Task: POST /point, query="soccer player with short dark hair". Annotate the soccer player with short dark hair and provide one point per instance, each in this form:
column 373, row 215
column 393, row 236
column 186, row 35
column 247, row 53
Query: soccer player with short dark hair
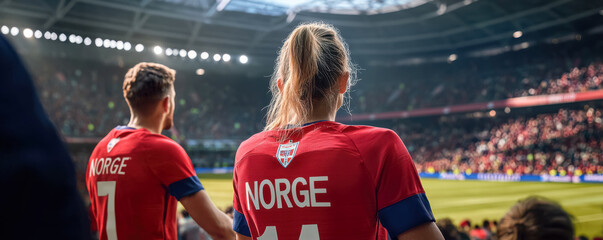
column 135, row 175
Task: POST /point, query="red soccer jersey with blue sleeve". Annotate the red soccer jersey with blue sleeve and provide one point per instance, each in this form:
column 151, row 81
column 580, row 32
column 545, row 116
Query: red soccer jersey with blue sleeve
column 327, row 181
column 134, row 180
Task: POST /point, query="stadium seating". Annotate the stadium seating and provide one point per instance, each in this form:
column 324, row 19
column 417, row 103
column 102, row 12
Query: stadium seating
column 566, row 142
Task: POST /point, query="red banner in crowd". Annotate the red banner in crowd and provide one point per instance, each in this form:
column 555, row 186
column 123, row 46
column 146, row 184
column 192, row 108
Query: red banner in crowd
column 510, row 102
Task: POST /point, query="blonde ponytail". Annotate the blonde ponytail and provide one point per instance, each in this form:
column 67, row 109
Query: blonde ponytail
column 309, row 64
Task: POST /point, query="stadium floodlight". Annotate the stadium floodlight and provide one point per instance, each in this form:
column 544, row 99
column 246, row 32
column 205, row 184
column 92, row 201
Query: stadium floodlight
column 452, row 57
column 226, row 57
column 168, row 51
column 222, row 4
column 127, row 46
column 243, row 59
column 62, row 37
column 192, row 54
column 204, row 55
column 72, row 38
column 98, row 42
column 157, row 50
column 120, row 45
column 200, row 71
column 79, row 39
column 139, row 47
column 107, row 43
column 113, row 44
column 517, row 34
column 182, row 53
column 28, row 33
column 217, row 57
column 47, row 35
column 492, row 113
column 5, row 30
column 14, row 31
column 87, row 41
column 442, row 9
column 53, row 36
column 38, row 34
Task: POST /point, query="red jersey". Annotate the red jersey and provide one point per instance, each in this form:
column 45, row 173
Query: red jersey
column 134, row 179
column 327, row 181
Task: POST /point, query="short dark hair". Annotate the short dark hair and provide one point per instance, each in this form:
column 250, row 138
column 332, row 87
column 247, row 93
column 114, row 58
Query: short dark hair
column 536, row 218
column 146, row 83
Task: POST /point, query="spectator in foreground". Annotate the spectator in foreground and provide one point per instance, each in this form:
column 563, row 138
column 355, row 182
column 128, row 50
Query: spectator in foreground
column 478, row 233
column 448, row 229
column 536, row 218
column 487, row 228
column 465, row 229
column 37, row 176
column 229, row 212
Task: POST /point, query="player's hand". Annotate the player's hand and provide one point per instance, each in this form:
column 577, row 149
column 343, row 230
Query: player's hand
column 210, row 218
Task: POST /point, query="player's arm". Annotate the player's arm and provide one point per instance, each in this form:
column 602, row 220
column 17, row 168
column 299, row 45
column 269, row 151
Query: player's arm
column 172, row 166
column 426, row 231
column 210, row 218
column 242, row 237
column 404, row 209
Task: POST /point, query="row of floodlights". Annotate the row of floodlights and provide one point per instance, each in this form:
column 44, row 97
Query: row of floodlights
column 192, row 54
column 119, row 45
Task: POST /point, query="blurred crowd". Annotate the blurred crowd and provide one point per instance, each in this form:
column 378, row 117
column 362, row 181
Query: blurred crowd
column 546, row 69
column 564, row 143
column 84, row 99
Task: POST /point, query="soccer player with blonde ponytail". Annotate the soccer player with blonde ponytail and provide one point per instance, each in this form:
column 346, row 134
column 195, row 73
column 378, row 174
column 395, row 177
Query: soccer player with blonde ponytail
column 308, row 177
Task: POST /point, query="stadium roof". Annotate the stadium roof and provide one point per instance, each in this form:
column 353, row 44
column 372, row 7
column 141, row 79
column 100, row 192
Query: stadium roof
column 380, row 31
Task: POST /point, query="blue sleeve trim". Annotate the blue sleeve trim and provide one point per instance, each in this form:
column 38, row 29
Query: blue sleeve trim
column 406, row 214
column 239, row 224
column 185, row 187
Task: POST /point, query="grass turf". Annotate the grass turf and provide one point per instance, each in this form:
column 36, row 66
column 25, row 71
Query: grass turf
column 477, row 200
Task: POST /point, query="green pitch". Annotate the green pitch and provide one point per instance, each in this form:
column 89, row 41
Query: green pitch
column 478, row 200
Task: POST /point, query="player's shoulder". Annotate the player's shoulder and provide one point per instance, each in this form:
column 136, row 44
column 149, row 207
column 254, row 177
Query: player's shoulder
column 252, row 142
column 152, row 141
column 371, row 140
column 370, row 132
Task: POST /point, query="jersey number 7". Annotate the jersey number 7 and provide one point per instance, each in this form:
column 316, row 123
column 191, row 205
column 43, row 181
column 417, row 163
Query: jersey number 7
column 107, row 188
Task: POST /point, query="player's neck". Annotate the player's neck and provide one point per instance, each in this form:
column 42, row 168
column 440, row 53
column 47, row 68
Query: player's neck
column 152, row 124
column 321, row 114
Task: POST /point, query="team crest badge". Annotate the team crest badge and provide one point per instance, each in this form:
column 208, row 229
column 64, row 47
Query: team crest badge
column 286, row 152
column 112, row 144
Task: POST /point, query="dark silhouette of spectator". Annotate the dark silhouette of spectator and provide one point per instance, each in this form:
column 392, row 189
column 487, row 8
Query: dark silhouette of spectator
column 448, row 229
column 229, row 211
column 536, row 218
column 478, row 233
column 487, row 228
column 37, row 175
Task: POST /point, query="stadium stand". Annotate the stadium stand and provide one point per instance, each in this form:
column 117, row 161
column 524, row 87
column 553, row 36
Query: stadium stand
column 566, row 142
column 541, row 70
